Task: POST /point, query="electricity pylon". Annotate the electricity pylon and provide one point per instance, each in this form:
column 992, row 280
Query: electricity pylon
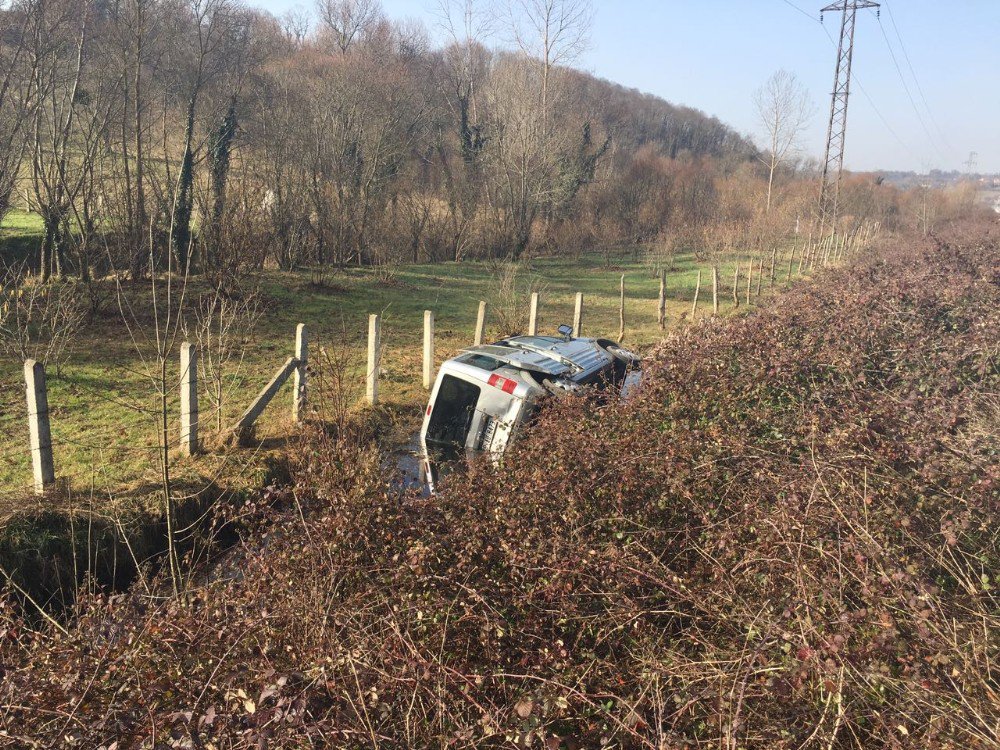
column 970, row 164
column 833, row 161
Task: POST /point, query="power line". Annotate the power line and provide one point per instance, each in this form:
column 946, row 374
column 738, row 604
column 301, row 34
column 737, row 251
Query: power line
column 792, row 5
column 909, row 94
column 916, row 80
column 878, row 112
column 857, row 80
column 885, row 122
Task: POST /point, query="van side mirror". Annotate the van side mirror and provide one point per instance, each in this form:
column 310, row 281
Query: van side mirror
column 565, row 330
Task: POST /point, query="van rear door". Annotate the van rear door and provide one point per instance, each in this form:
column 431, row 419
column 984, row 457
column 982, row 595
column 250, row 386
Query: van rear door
column 452, row 418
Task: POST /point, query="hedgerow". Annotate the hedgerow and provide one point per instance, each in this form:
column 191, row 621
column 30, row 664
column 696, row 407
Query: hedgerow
column 786, row 538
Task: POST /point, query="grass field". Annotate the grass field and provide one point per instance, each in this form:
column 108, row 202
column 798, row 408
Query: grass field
column 20, row 233
column 103, row 403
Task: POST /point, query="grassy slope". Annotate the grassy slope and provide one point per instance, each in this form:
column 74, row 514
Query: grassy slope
column 103, row 404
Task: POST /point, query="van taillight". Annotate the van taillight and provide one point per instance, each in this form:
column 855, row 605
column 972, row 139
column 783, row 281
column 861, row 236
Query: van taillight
column 428, row 410
column 505, row 384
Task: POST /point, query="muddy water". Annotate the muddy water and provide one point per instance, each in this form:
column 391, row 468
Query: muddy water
column 632, row 380
column 407, row 468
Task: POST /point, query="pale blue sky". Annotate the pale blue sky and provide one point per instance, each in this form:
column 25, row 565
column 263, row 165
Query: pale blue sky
column 712, row 54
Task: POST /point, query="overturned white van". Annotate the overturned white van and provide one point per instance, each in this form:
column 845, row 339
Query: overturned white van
column 483, row 396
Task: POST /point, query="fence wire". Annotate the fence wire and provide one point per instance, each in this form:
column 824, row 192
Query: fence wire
column 123, row 434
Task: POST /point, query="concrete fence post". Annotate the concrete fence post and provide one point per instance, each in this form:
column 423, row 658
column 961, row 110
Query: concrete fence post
column 38, row 425
column 736, row 285
column 533, row 315
column 578, row 316
column 621, row 312
column 480, row 324
column 189, row 399
column 749, row 280
column 697, row 291
column 661, row 305
column 374, row 357
column 299, row 377
column 715, row 290
column 428, row 349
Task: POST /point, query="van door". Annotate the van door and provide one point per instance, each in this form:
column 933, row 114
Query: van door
column 453, row 419
column 497, row 414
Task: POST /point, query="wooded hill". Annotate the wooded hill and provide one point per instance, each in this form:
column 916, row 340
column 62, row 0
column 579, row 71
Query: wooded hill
column 236, row 139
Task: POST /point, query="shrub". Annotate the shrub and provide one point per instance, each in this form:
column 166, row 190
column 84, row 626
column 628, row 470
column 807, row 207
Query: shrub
column 786, row 538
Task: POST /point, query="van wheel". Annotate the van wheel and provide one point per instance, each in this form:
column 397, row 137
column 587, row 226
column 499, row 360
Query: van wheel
column 554, row 389
column 620, row 353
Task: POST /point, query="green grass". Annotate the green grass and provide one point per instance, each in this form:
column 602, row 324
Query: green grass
column 20, row 234
column 102, row 404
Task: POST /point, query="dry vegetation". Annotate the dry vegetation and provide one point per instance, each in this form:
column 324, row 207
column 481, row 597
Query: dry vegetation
column 787, row 538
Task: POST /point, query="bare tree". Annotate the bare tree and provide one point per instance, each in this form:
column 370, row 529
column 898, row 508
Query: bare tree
column 553, row 31
column 465, row 69
column 137, row 38
column 217, row 35
column 348, row 20
column 784, row 109
column 296, row 22
column 223, row 326
column 69, row 128
column 37, row 320
column 519, row 161
column 16, row 99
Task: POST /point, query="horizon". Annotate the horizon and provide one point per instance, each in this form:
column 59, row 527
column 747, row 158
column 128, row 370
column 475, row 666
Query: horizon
column 908, row 112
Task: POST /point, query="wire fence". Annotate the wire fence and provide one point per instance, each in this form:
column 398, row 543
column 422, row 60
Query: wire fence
column 120, row 432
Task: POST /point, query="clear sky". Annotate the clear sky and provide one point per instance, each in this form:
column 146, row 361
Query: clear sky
column 713, row 54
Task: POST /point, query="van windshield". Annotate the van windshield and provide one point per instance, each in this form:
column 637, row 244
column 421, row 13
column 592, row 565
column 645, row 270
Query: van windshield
column 451, row 419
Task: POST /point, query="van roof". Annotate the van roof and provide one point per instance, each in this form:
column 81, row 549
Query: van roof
column 546, row 354
column 520, row 358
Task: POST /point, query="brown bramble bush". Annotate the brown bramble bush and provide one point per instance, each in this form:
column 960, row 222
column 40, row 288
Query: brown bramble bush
column 786, row 539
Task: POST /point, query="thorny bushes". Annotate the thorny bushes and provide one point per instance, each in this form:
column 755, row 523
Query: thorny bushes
column 788, row 538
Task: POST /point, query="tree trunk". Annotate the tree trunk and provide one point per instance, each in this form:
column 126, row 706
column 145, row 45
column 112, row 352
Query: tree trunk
column 184, row 199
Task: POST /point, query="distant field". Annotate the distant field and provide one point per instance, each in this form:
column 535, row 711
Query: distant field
column 102, row 400
column 19, row 235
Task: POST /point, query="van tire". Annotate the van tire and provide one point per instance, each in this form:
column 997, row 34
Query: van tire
column 619, row 352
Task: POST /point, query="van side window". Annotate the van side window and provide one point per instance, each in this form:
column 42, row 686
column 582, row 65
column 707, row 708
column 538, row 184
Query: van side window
column 481, row 361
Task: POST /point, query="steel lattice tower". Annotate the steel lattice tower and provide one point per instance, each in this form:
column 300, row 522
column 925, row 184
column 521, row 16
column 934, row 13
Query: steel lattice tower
column 833, row 161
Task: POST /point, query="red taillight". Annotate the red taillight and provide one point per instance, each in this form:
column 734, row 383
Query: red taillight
column 504, row 384
column 428, row 410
